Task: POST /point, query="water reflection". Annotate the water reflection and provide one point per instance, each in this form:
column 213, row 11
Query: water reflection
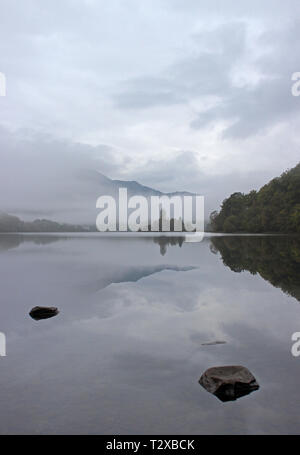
column 136, row 329
column 275, row 259
column 164, row 242
column 10, row 241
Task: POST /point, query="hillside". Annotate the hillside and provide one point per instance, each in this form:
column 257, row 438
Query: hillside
column 274, row 208
column 11, row 223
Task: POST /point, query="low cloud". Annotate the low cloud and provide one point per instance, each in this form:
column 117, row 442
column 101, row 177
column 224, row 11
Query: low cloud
column 43, row 176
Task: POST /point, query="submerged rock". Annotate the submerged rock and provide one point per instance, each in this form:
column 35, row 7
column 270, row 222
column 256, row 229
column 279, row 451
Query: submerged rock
column 212, row 343
column 229, row 382
column 43, row 312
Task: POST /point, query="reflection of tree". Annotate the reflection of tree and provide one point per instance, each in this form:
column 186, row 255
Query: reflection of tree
column 276, row 259
column 164, row 242
column 9, row 241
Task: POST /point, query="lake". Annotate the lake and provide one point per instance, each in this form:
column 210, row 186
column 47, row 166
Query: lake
column 138, row 322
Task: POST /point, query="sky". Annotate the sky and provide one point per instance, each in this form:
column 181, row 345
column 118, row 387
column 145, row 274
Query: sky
column 176, row 94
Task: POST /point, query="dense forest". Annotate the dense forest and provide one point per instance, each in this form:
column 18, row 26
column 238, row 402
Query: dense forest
column 274, row 208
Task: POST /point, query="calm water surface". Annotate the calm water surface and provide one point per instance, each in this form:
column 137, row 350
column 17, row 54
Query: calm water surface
column 128, row 347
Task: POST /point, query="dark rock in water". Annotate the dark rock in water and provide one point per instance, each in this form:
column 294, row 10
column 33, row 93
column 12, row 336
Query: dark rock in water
column 229, row 383
column 43, row 312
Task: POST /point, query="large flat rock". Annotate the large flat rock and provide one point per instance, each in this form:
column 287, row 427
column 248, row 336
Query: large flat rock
column 229, row 382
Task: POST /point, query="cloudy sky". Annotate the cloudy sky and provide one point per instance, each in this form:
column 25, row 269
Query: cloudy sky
column 177, row 94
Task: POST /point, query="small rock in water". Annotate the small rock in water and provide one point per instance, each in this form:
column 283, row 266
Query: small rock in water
column 229, row 382
column 43, row 312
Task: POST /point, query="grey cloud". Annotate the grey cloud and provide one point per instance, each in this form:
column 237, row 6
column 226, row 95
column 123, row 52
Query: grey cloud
column 267, row 10
column 207, row 73
column 147, row 92
column 247, row 110
column 254, row 109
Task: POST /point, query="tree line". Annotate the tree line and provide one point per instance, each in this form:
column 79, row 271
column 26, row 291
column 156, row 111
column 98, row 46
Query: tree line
column 275, row 208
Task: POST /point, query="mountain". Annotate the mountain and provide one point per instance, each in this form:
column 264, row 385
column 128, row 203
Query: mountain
column 275, row 208
column 93, row 184
column 79, row 209
column 71, row 197
column 101, row 182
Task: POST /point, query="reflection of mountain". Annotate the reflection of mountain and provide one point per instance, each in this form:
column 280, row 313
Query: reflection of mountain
column 276, row 259
column 164, row 242
column 133, row 274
